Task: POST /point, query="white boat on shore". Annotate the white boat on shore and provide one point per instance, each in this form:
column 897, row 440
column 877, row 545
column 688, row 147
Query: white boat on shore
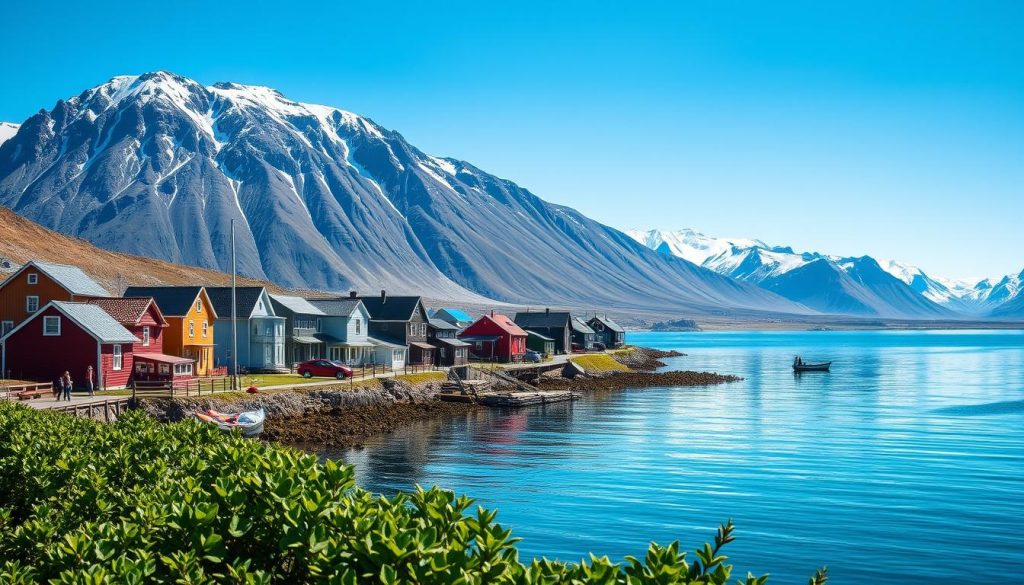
column 250, row 423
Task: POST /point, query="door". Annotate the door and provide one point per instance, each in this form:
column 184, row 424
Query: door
column 268, row 354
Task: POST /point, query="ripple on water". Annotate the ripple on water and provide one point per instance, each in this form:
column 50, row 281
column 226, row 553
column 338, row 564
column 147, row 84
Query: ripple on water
column 905, row 463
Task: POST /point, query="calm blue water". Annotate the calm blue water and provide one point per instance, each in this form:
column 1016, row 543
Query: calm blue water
column 905, row 463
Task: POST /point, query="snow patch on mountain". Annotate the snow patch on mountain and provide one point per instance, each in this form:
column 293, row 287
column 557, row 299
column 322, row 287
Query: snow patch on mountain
column 7, row 131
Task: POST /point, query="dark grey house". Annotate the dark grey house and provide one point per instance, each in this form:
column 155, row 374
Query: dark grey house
column 583, row 337
column 610, row 333
column 401, row 320
column 554, row 324
column 449, row 350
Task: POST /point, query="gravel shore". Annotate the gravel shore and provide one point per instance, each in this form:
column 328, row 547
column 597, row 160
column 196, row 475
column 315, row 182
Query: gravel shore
column 339, row 416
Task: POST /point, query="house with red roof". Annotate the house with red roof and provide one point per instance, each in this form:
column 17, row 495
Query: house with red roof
column 142, row 317
column 495, row 337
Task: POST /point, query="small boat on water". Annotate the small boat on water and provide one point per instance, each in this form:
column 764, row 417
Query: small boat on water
column 249, row 423
column 799, row 365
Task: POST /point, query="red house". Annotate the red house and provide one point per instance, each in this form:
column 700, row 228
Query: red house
column 143, row 318
column 70, row 337
column 495, row 337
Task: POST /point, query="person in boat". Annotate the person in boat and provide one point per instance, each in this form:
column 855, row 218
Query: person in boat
column 797, row 361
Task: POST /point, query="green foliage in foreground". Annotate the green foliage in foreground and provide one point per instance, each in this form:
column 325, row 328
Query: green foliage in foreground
column 140, row 502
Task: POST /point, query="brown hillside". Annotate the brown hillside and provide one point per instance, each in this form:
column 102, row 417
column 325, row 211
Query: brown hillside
column 22, row 240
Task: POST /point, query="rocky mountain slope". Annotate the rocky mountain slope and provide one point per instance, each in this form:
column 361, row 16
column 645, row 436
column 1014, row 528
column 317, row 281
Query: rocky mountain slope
column 22, row 240
column 159, row 165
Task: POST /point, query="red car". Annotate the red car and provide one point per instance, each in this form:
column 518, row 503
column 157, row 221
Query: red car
column 324, row 369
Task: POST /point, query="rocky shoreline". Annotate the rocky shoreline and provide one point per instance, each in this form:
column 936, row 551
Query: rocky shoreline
column 340, row 416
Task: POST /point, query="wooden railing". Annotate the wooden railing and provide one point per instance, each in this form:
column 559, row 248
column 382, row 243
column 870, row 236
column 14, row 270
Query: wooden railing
column 24, row 390
column 181, row 388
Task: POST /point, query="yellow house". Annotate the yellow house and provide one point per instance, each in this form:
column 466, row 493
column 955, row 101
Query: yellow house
column 190, row 316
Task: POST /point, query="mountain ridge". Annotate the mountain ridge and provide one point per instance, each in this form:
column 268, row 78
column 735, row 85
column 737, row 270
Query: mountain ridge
column 868, row 291
column 159, row 165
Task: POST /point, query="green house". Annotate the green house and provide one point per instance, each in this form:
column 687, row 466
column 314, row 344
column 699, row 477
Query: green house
column 542, row 344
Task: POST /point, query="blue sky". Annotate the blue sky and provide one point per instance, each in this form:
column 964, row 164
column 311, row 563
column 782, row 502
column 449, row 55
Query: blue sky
column 890, row 129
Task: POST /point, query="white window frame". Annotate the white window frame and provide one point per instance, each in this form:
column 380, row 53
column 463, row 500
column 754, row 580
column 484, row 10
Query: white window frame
column 199, row 306
column 206, row 328
column 165, row 369
column 33, row 278
column 145, row 335
column 359, row 326
column 116, row 358
column 6, row 327
column 191, row 328
column 51, row 319
column 29, row 299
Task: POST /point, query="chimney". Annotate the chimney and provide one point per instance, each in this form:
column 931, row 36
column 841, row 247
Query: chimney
column 492, row 313
column 353, row 294
column 383, row 296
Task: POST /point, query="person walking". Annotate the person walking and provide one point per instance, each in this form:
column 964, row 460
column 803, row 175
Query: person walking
column 90, row 384
column 66, row 385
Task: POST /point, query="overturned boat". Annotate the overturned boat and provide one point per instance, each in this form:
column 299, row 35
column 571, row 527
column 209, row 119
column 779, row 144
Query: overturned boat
column 250, row 423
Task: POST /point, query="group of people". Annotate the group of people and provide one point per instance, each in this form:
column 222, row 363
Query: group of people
column 63, row 386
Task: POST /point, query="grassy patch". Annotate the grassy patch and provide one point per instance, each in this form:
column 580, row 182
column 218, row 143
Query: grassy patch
column 260, row 380
column 421, row 377
column 598, row 363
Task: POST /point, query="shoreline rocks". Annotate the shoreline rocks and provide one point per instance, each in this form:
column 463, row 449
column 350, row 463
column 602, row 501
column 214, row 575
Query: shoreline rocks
column 341, row 416
column 644, row 358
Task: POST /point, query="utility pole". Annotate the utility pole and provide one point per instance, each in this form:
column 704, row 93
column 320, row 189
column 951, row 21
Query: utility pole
column 234, row 313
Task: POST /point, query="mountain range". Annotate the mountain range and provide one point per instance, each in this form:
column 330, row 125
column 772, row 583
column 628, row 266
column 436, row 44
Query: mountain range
column 861, row 286
column 161, row 166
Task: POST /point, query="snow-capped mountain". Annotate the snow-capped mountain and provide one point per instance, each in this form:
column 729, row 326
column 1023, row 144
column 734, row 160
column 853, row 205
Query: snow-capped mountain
column 7, row 130
column 159, row 165
column 859, row 286
column 854, row 286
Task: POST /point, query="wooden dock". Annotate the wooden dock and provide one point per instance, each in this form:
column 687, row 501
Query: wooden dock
column 515, row 399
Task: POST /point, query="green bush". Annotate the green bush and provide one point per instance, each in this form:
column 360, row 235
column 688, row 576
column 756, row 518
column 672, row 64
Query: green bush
column 140, row 502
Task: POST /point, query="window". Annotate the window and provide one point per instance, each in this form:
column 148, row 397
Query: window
column 33, row 278
column 31, row 304
column 396, row 355
column 206, row 328
column 199, row 306
column 165, row 369
column 319, row 326
column 6, row 327
column 191, row 328
column 359, row 327
column 479, row 344
column 51, row 326
column 145, row 336
column 182, row 368
column 118, row 358
column 443, row 352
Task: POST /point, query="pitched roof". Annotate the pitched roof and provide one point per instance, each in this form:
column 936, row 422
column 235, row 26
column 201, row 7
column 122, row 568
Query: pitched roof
column 245, row 300
column 390, row 308
column 174, row 301
column 580, row 327
column 440, row 324
column 538, row 335
column 96, row 322
column 549, row 319
column 297, row 305
column 608, row 323
column 127, row 310
column 507, row 324
column 457, row 314
column 335, row 307
column 70, row 277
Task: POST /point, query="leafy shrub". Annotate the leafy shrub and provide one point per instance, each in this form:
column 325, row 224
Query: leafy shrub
column 140, row 502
